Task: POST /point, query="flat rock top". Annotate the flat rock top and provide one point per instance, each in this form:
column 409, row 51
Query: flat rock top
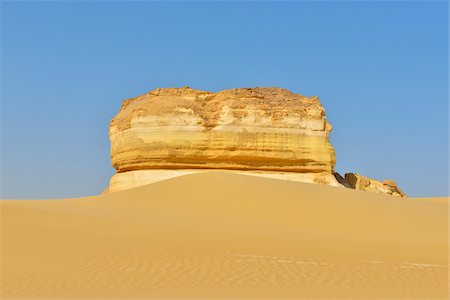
column 276, row 103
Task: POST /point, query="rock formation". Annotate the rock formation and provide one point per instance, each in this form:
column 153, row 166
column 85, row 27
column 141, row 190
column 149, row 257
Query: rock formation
column 363, row 183
column 342, row 180
column 269, row 132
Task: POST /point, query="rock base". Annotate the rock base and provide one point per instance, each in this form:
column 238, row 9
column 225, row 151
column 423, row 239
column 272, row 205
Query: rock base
column 132, row 179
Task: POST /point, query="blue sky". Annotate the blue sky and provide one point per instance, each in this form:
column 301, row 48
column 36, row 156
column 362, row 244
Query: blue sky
column 379, row 68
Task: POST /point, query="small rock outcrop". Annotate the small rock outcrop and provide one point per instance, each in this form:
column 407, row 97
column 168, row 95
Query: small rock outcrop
column 342, row 180
column 363, row 183
column 269, row 132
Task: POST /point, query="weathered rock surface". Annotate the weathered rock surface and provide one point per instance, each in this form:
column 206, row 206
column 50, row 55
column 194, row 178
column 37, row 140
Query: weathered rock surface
column 363, row 183
column 255, row 129
column 269, row 132
column 342, row 180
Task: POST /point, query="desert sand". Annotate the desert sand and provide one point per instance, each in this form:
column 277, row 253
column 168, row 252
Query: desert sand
column 221, row 235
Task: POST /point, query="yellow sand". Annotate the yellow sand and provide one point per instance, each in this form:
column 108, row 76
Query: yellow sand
column 217, row 235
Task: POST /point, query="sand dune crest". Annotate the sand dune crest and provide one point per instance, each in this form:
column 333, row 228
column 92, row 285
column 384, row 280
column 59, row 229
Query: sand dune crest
column 225, row 235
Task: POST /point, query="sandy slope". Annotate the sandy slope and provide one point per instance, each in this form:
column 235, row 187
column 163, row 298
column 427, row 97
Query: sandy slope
column 226, row 235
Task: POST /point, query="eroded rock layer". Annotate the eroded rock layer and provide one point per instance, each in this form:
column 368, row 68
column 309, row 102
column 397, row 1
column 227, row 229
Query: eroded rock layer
column 261, row 129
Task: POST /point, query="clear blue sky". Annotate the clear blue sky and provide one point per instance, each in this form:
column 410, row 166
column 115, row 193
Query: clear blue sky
column 379, row 68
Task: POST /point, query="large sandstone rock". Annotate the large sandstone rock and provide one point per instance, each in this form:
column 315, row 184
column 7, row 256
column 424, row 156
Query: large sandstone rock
column 260, row 131
column 268, row 132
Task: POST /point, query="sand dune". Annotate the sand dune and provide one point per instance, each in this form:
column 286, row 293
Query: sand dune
column 223, row 235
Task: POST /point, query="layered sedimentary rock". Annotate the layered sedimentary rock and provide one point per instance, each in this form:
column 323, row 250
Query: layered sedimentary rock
column 268, row 132
column 363, row 183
